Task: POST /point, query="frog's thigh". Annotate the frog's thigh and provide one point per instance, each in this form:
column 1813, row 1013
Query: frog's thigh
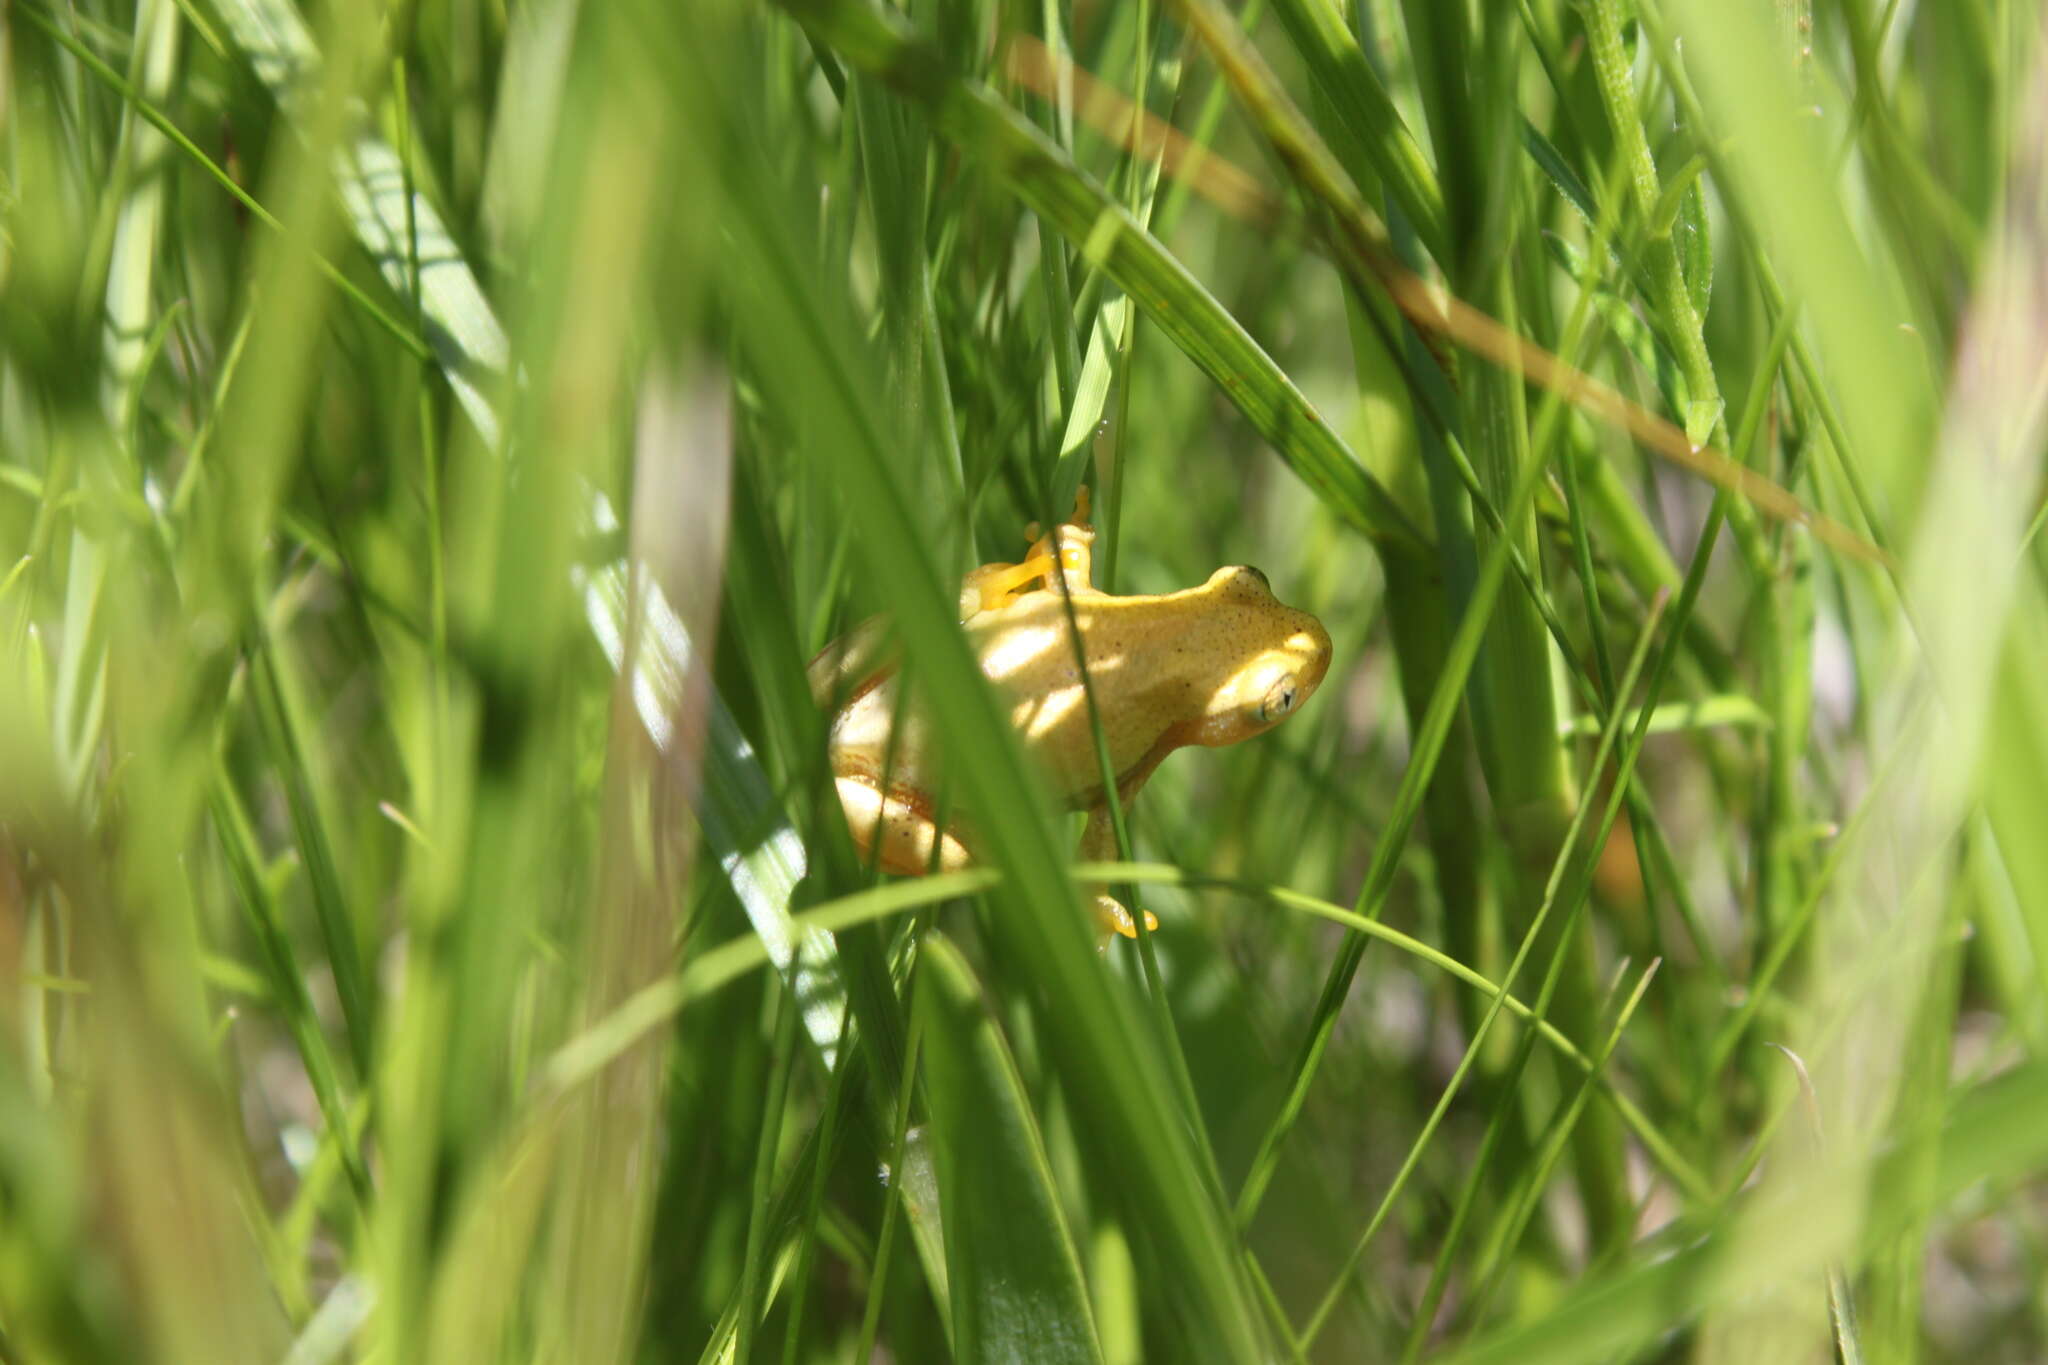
column 905, row 833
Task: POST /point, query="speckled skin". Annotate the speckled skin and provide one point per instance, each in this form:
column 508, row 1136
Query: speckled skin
column 1208, row 665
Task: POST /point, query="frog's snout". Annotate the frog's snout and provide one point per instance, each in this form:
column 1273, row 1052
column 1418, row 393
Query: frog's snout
column 1311, row 645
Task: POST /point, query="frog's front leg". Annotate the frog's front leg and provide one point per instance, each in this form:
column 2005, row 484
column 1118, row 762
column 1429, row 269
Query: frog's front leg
column 1098, row 845
column 995, row 585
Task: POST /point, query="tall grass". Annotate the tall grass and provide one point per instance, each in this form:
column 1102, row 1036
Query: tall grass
column 435, row 438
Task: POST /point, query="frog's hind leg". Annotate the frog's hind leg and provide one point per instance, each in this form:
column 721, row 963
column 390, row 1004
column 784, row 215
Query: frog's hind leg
column 898, row 831
column 1098, row 845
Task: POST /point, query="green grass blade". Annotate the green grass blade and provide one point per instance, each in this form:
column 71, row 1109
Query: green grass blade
column 1372, row 126
column 284, row 731
column 1015, row 1278
column 286, row 983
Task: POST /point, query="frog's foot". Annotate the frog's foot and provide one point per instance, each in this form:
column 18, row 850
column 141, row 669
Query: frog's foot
column 1075, row 545
column 1112, row 918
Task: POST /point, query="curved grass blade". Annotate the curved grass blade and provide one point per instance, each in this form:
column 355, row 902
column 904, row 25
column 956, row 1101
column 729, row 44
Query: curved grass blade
column 585, row 1055
column 285, row 734
column 285, row 980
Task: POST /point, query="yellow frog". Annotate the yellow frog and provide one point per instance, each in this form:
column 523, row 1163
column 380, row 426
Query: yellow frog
column 1209, row 665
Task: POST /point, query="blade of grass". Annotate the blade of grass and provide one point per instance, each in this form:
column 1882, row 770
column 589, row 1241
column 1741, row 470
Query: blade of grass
column 1374, row 134
column 1426, row 748
column 1668, row 284
column 751, row 1303
column 1841, row 1307
column 1015, row 1279
column 285, row 981
column 894, row 1203
column 1549, row 1152
column 284, row 732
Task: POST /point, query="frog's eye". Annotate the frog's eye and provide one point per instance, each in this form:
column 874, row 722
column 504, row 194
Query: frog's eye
column 1279, row 699
column 1259, row 574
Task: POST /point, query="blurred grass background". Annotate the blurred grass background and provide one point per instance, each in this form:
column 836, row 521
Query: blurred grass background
column 433, row 439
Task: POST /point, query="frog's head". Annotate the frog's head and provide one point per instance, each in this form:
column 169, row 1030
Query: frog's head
column 1276, row 658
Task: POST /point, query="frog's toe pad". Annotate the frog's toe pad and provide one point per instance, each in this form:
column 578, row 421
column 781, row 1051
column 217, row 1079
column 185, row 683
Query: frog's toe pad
column 1111, row 915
